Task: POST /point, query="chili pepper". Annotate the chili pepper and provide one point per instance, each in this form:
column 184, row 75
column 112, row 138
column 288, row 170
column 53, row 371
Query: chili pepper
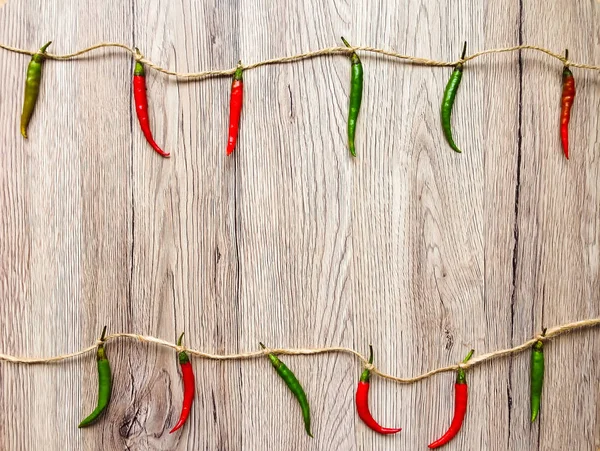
column 448, row 100
column 141, row 106
column 235, row 108
column 356, row 89
column 189, row 386
column 294, row 385
column 460, row 406
column 566, row 102
column 32, row 87
column 537, row 376
column 362, row 402
column 104, row 384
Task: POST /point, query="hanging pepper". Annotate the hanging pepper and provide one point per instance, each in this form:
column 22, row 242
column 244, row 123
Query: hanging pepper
column 294, row 385
column 460, row 406
column 104, row 384
column 356, row 89
column 141, row 106
column 32, row 87
column 448, row 100
column 362, row 402
column 235, row 108
column 566, row 102
column 537, row 376
column 189, row 386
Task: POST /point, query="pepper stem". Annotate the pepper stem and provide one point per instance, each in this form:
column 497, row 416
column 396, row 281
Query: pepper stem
column 180, row 339
column 461, row 378
column 262, row 345
column 103, row 334
column 544, row 331
column 238, row 71
column 345, row 42
column 566, row 54
column 44, row 47
column 464, row 51
column 469, row 355
column 366, row 374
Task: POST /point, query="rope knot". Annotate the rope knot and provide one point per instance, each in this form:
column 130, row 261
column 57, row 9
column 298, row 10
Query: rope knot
column 100, row 342
column 463, row 365
column 180, row 349
column 138, row 55
column 369, row 366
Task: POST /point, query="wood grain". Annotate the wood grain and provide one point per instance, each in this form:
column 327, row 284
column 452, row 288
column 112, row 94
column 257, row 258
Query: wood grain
column 422, row 252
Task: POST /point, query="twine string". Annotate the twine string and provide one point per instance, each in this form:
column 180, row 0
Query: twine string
column 550, row 333
column 302, row 56
column 476, row 360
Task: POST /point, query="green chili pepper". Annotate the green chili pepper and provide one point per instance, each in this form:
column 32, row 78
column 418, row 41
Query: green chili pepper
column 32, row 87
column 104, row 384
column 448, row 100
column 294, row 385
column 537, row 377
column 356, row 88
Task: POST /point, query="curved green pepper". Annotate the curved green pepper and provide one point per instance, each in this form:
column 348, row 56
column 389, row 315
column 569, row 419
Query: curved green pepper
column 32, row 87
column 104, row 384
column 448, row 101
column 294, row 385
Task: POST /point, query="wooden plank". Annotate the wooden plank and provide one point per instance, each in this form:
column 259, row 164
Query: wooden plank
column 411, row 247
column 422, row 221
column 558, row 275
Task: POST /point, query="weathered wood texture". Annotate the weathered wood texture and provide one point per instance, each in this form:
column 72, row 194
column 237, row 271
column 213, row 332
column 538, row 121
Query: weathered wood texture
column 418, row 250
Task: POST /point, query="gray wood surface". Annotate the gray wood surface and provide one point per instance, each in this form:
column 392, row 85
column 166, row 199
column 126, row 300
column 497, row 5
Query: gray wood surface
column 418, row 250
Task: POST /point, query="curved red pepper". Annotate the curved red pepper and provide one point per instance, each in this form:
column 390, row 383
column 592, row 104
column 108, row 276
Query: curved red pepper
column 566, row 102
column 362, row 402
column 189, row 386
column 235, row 108
column 141, row 106
column 461, row 396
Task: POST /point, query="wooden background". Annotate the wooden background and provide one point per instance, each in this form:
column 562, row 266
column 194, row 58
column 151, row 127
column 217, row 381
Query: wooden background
column 423, row 252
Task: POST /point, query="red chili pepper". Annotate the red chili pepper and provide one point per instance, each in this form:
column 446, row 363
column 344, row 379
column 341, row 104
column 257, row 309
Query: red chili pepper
column 235, row 108
column 141, row 106
column 189, row 386
column 362, row 402
column 566, row 102
column 461, row 396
